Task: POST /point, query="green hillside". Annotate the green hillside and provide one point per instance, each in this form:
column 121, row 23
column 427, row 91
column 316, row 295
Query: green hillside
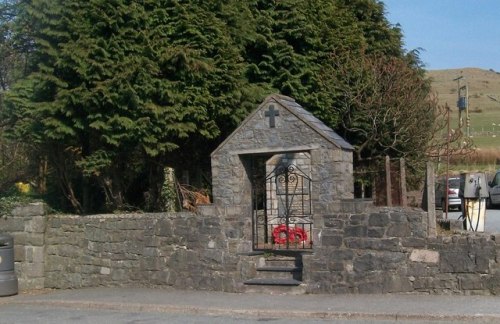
column 484, row 101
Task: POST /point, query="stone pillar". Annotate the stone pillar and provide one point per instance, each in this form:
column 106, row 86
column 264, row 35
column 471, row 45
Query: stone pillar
column 29, row 245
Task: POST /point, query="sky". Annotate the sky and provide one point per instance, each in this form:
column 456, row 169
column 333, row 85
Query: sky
column 452, row 34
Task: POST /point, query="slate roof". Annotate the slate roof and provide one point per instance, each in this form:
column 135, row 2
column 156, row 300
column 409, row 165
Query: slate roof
column 312, row 121
column 302, row 114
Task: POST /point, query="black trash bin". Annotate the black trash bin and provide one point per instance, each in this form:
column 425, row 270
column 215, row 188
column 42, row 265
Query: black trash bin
column 8, row 278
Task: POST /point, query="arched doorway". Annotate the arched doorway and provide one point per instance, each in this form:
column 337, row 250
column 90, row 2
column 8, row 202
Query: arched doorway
column 281, row 200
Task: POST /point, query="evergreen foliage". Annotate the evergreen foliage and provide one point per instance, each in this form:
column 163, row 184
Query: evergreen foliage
column 118, row 89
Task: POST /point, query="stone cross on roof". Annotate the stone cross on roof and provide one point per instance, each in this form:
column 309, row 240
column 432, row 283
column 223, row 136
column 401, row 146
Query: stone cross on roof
column 271, row 113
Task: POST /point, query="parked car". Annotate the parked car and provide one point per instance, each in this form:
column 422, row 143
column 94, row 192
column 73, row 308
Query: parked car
column 454, row 201
column 493, row 199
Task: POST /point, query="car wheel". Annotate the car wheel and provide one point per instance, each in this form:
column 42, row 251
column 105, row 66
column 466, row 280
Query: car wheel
column 489, row 205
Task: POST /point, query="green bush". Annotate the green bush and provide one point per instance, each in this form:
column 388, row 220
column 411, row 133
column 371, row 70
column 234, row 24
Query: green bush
column 19, row 194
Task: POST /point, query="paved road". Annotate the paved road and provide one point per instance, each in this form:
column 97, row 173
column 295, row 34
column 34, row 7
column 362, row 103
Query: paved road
column 143, row 305
column 50, row 315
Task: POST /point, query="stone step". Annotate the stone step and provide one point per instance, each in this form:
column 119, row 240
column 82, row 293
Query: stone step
column 273, row 282
column 281, row 272
column 284, row 262
column 275, row 290
column 280, row 269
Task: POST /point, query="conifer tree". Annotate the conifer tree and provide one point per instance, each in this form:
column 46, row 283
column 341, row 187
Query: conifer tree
column 119, row 84
column 119, row 89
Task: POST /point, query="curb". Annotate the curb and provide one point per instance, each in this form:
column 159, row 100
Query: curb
column 257, row 313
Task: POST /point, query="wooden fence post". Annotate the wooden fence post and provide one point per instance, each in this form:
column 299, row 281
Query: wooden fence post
column 430, row 200
column 388, row 189
column 402, row 182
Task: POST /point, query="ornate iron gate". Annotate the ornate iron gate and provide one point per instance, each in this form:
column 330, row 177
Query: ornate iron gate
column 282, row 209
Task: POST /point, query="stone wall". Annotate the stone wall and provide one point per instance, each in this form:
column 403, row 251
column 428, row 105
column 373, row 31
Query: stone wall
column 183, row 250
column 386, row 250
column 361, row 250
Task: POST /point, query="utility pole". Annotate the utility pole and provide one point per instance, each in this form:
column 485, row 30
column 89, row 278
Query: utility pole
column 447, row 162
column 463, row 103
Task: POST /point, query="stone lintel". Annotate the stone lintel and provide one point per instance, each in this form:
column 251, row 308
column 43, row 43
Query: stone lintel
column 276, row 150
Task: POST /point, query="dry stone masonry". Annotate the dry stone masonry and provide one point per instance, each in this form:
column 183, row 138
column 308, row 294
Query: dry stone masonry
column 378, row 250
column 352, row 246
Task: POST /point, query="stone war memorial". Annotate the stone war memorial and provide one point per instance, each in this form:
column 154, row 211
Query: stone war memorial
column 283, row 219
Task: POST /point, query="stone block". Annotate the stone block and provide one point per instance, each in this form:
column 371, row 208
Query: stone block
column 376, row 232
column 27, row 284
column 70, row 251
column 208, row 210
column 210, row 230
column 358, row 219
column 470, row 282
column 414, row 242
column 349, row 205
column 396, row 284
column 333, row 222
column 36, row 239
column 152, row 241
column 331, row 240
column 379, row 261
column 493, row 283
column 19, row 237
column 398, row 230
column 355, row 243
column 422, row 284
column 391, row 244
column 88, row 269
column 19, row 253
column 54, row 222
column 426, row 256
column 35, row 254
column 415, row 217
column 341, row 255
column 316, row 266
column 442, row 282
column 356, row 231
column 97, row 235
column 233, row 211
column 55, row 264
column 452, row 262
column 336, row 266
column 36, row 224
column 33, row 270
column 164, row 227
column 392, row 260
column 418, row 269
column 366, row 263
column 378, row 219
column 31, row 209
column 371, row 288
column 483, row 262
column 342, row 290
column 397, row 217
column 149, row 251
column 212, row 256
column 10, row 224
